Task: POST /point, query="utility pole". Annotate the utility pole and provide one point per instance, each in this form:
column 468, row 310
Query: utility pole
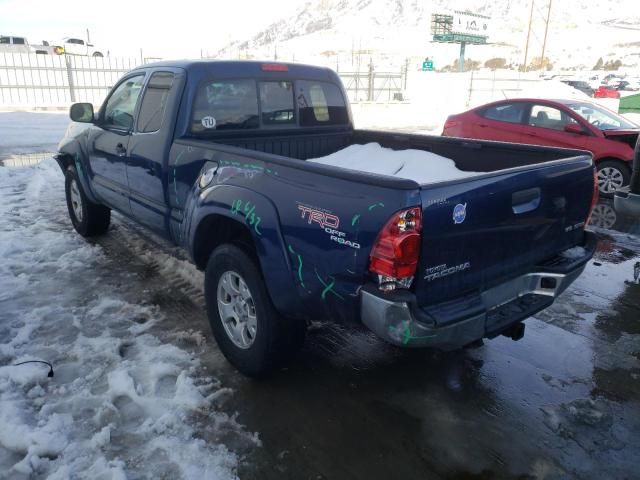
column 526, row 48
column 546, row 29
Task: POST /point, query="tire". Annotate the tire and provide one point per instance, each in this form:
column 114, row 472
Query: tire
column 612, row 174
column 97, row 54
column 248, row 330
column 89, row 219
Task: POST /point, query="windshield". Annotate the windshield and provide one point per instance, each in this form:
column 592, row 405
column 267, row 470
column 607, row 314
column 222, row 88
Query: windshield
column 600, row 117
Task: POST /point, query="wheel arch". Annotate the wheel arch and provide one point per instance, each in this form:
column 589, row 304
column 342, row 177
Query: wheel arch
column 66, row 160
column 213, row 223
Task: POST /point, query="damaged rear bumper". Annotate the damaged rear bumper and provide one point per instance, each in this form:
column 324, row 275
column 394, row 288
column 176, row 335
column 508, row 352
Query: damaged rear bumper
column 397, row 318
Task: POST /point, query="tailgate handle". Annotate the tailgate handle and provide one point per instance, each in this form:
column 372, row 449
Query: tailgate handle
column 525, row 200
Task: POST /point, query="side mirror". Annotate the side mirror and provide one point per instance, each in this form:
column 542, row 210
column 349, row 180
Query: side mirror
column 81, row 112
column 574, row 128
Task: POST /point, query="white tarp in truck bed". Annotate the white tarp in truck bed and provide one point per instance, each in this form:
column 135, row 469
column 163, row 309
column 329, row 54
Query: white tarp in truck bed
column 422, row 167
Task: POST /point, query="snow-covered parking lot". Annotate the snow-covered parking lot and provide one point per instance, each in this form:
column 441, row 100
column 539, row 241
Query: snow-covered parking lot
column 141, row 391
column 129, row 398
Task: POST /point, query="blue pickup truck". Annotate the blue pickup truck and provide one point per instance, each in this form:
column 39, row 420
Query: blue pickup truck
column 213, row 155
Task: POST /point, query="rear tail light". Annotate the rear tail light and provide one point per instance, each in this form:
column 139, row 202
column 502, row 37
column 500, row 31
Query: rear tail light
column 595, row 195
column 450, row 123
column 395, row 253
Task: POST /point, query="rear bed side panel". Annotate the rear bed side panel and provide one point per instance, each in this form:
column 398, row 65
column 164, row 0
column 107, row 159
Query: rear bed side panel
column 316, row 229
column 483, row 231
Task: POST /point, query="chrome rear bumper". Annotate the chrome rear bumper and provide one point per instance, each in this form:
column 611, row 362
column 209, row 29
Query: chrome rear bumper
column 397, row 319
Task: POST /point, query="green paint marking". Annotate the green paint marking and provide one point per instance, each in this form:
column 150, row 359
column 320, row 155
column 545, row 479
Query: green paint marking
column 248, row 211
column 379, row 204
column 406, row 333
column 328, row 287
column 355, row 219
column 299, row 265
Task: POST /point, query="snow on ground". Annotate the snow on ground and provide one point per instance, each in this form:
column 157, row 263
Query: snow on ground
column 43, row 131
column 423, row 167
column 123, row 403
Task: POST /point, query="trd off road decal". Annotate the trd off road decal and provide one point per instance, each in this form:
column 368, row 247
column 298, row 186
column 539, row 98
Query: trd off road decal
column 328, row 222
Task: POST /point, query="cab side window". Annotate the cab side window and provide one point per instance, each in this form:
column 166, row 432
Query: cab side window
column 121, row 105
column 154, row 102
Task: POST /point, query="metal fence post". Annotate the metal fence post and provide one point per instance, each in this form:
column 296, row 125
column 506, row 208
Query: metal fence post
column 72, row 89
column 371, row 82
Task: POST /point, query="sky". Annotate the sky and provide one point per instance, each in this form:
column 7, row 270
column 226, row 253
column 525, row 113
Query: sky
column 123, row 27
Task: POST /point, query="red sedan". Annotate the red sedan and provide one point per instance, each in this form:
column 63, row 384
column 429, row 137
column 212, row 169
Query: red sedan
column 604, row 91
column 557, row 123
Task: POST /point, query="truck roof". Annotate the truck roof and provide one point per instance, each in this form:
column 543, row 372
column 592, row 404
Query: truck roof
column 246, row 68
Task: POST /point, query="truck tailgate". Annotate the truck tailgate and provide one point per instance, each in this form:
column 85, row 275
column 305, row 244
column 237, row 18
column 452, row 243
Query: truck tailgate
column 481, row 231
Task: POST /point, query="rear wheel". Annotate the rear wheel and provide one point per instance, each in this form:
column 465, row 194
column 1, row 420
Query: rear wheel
column 250, row 333
column 612, row 175
column 89, row 219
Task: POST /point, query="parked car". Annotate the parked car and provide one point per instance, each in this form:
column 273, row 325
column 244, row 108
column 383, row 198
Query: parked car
column 605, row 91
column 77, row 46
column 213, row 155
column 559, row 123
column 580, row 85
column 629, row 85
column 13, row 44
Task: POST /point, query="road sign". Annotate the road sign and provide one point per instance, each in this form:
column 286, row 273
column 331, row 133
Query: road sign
column 427, row 65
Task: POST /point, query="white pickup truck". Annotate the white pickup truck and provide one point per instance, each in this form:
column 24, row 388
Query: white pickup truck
column 13, row 44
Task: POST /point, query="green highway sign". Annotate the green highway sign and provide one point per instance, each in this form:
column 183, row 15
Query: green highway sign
column 427, row 65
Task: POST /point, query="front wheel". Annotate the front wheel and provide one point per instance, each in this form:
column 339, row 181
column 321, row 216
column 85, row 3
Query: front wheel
column 612, row 175
column 246, row 326
column 88, row 219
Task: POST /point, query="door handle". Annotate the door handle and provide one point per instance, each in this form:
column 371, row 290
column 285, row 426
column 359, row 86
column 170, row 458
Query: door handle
column 120, row 150
column 483, row 125
column 525, row 200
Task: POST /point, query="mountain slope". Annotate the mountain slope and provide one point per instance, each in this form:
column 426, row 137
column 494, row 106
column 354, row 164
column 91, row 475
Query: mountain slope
column 388, row 31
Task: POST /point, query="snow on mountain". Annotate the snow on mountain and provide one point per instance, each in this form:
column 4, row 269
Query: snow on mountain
column 339, row 32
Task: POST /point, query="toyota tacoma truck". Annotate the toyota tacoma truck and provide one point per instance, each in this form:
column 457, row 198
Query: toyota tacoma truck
column 215, row 156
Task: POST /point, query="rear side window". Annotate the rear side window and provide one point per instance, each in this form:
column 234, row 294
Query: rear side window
column 510, row 112
column 225, row 105
column 320, row 103
column 18, row 41
column 276, row 103
column 154, row 102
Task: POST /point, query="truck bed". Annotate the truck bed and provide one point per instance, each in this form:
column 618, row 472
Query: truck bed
column 468, row 155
